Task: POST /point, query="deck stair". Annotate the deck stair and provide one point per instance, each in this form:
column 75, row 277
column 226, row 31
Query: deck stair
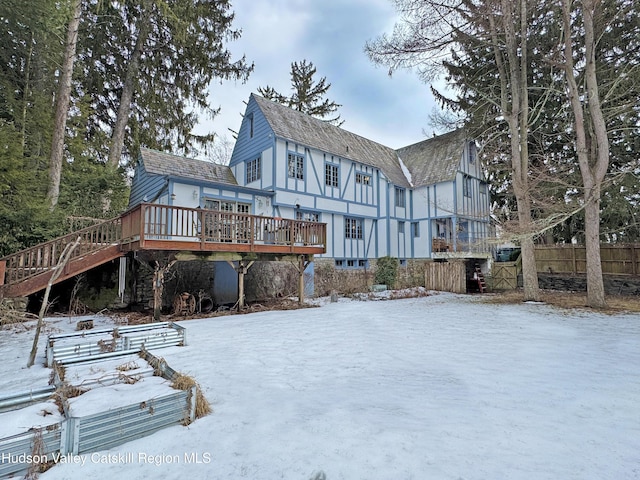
column 30, row 270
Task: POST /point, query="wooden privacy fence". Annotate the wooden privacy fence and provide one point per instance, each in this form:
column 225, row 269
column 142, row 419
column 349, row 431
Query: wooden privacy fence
column 615, row 259
column 445, row 276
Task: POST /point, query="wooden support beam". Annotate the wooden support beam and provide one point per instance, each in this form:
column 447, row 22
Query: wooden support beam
column 242, row 270
column 303, row 263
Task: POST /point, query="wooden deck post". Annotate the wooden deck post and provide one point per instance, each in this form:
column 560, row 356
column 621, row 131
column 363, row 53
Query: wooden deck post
column 303, row 263
column 242, row 271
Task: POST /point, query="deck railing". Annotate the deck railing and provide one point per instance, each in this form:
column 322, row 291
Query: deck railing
column 169, row 223
column 45, row 256
column 468, row 244
column 153, row 222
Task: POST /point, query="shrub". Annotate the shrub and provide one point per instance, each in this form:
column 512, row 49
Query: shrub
column 387, row 271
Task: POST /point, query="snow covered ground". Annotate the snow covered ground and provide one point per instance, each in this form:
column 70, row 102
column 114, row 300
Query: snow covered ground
column 438, row 387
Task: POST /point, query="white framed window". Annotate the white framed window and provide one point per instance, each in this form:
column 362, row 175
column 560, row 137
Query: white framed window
column 415, row 229
column 353, row 228
column 296, row 166
column 330, row 175
column 226, row 206
column 467, row 186
column 307, row 216
column 253, row 170
column 363, row 178
column 400, row 197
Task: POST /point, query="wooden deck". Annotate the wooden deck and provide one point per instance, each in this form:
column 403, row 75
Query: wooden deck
column 153, row 227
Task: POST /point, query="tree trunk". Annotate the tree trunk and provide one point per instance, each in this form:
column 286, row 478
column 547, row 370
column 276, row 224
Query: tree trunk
column 62, row 107
column 65, row 256
column 593, row 158
column 128, row 89
column 512, row 70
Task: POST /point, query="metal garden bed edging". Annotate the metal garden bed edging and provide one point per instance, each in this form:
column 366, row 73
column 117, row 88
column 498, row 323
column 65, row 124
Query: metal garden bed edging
column 12, row 401
column 78, row 435
column 19, row 452
column 89, row 344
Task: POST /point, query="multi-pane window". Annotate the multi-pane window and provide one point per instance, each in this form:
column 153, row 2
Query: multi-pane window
column 331, row 175
column 467, row 186
column 353, row 228
column 400, row 197
column 363, row 178
column 307, row 216
column 352, row 263
column 415, row 229
column 296, row 166
column 253, row 170
column 223, row 206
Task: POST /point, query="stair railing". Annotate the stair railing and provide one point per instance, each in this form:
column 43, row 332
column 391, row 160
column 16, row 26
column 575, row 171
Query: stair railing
column 44, row 257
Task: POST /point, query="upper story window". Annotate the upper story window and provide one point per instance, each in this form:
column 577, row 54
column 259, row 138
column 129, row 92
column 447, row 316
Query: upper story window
column 467, row 186
column 251, row 125
column 363, row 178
column 471, row 152
column 331, row 175
column 296, row 166
column 415, row 229
column 400, row 197
column 353, row 228
column 483, row 188
column 253, row 170
column 400, row 227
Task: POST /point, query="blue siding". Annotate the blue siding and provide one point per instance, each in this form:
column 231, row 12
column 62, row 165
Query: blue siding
column 145, row 187
column 250, row 146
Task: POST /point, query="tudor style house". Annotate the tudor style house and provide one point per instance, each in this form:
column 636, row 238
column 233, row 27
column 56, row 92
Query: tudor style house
column 426, row 200
column 297, row 189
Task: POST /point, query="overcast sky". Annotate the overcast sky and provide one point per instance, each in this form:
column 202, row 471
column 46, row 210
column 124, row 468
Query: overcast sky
column 331, row 34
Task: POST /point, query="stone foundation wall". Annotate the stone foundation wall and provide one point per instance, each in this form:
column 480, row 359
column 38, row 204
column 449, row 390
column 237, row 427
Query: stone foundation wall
column 613, row 284
column 266, row 280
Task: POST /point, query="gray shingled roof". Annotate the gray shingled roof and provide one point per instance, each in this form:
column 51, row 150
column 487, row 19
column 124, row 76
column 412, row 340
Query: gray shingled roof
column 434, row 160
column 167, row 164
column 312, row 132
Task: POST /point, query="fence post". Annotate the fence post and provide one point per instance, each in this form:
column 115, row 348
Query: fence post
column 573, row 258
column 634, row 266
column 3, row 269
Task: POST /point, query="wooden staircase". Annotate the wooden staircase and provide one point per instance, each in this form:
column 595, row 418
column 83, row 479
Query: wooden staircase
column 479, row 276
column 30, row 270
